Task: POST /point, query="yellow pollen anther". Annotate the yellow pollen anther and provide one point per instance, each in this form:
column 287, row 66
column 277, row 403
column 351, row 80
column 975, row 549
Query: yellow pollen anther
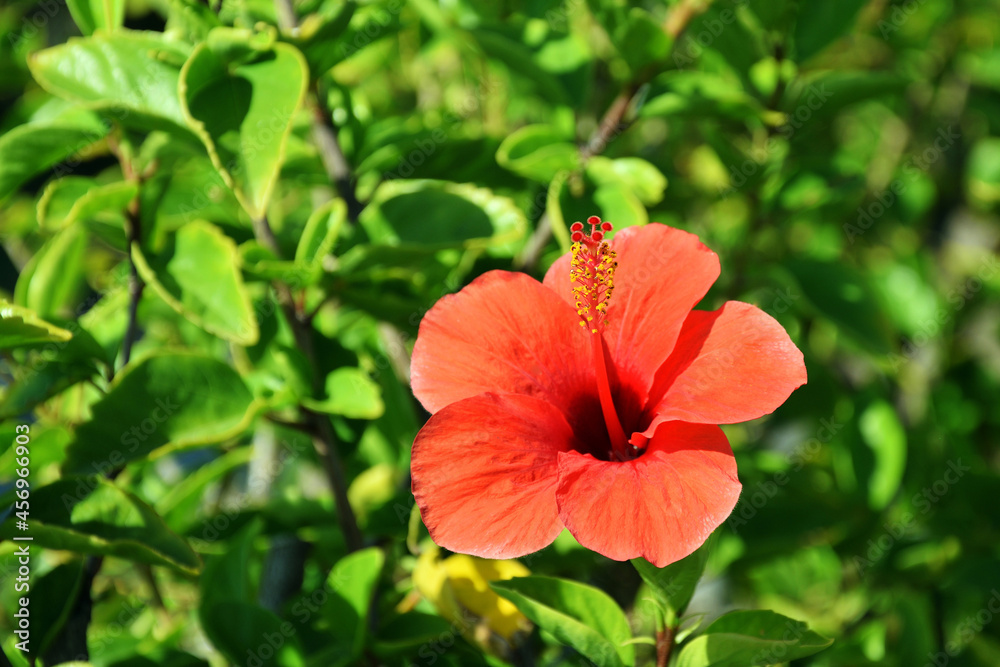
column 592, row 269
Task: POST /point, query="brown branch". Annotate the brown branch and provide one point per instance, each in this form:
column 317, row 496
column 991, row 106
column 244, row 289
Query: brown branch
column 614, row 122
column 664, row 645
column 332, row 156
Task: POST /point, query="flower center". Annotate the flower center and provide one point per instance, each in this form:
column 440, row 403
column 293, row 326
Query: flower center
column 592, row 271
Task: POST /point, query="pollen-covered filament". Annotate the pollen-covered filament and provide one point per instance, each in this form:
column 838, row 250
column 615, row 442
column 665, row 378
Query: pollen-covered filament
column 592, row 273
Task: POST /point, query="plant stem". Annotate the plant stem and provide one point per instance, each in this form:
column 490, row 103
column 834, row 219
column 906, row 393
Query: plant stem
column 317, row 425
column 664, row 645
column 613, row 121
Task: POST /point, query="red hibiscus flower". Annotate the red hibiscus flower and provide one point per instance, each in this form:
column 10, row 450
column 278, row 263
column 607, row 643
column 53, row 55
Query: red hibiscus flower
column 609, row 429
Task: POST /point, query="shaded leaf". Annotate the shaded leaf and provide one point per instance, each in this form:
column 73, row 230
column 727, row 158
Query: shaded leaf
column 91, row 515
column 240, row 94
column 162, row 403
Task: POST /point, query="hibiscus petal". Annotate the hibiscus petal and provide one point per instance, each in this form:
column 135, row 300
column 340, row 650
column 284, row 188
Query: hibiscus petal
column 661, row 506
column 729, row 365
column 506, row 333
column 662, row 274
column 485, row 471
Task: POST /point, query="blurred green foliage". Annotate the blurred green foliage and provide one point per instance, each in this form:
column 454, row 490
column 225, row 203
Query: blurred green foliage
column 222, row 222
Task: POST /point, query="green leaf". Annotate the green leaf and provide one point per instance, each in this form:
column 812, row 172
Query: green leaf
column 538, row 152
column 350, row 393
column 57, row 589
column 240, row 630
column 21, row 326
column 578, row 615
column 320, row 234
column 52, row 278
column 843, row 295
column 821, row 22
column 519, row 59
column 701, row 94
column 352, row 584
column 226, row 577
column 240, row 94
column 641, row 41
column 91, row 515
column 133, row 72
column 673, row 585
column 317, row 36
column 433, row 215
column 983, row 174
column 641, row 177
column 884, row 434
column 198, row 276
column 90, row 15
column 162, row 403
column 50, row 372
column 742, row 638
column 32, row 148
column 77, row 200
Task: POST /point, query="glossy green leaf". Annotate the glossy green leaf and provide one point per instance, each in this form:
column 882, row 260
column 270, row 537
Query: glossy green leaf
column 78, row 200
column 162, row 403
column 578, row 615
column 32, row 148
column 91, row 15
column 133, row 73
column 701, row 94
column 54, row 276
column 240, row 630
column 352, row 583
column 320, row 234
column 884, row 434
column 240, row 94
column 641, row 177
column 742, row 638
column 673, row 586
column 20, row 326
column 91, row 515
column 538, row 152
column 198, row 275
column 450, row 215
column 350, row 393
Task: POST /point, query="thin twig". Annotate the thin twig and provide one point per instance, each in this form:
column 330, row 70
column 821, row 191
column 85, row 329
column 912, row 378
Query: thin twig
column 324, row 132
column 336, row 165
column 614, row 122
column 317, row 425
